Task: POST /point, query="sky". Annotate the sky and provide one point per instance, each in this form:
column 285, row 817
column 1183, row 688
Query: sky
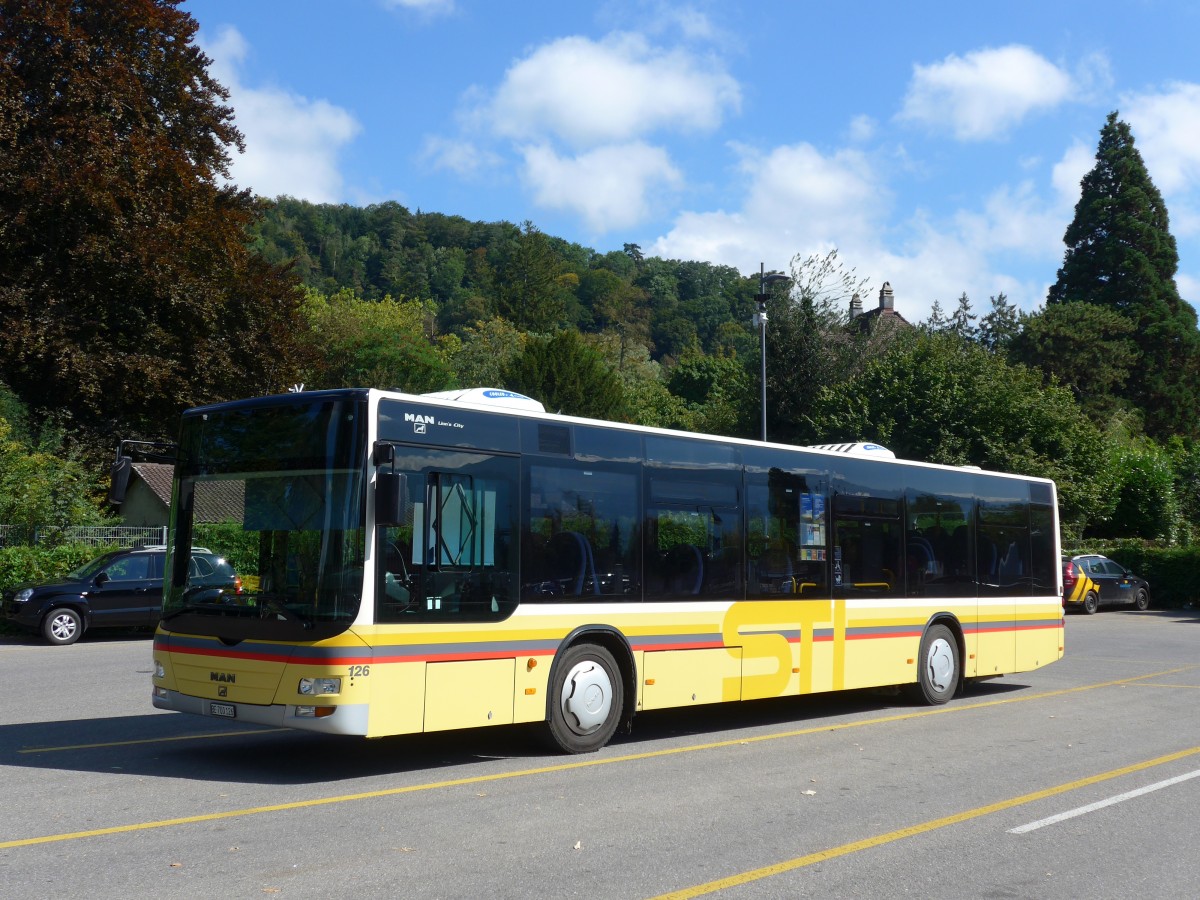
column 937, row 147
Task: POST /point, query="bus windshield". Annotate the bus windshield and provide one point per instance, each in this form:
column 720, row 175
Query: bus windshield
column 277, row 490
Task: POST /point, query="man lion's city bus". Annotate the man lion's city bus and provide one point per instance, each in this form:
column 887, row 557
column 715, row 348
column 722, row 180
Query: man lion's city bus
column 421, row 563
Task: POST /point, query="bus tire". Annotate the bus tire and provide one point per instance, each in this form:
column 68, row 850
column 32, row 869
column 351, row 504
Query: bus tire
column 938, row 667
column 587, row 700
column 1091, row 603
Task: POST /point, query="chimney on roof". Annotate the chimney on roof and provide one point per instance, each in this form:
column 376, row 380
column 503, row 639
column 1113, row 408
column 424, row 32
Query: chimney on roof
column 855, row 307
column 887, row 300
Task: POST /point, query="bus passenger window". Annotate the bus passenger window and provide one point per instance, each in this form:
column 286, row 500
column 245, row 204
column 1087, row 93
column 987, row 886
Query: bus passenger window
column 581, row 538
column 867, row 558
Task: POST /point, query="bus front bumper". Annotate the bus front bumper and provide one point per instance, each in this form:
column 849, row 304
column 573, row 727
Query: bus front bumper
column 348, row 719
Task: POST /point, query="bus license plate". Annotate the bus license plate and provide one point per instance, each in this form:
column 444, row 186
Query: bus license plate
column 228, row 710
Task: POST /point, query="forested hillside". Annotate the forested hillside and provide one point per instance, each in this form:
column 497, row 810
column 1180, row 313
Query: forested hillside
column 474, row 271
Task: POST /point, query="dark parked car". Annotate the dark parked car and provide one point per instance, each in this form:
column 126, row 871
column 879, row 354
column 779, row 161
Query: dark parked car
column 121, row 589
column 1112, row 584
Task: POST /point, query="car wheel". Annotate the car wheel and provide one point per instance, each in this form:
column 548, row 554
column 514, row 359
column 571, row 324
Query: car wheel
column 62, row 626
column 1091, row 603
column 1142, row 601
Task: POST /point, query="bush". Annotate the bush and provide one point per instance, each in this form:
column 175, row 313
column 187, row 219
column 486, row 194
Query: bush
column 21, row 564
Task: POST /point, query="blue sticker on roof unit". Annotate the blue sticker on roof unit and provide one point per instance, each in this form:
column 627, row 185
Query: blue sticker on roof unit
column 495, row 393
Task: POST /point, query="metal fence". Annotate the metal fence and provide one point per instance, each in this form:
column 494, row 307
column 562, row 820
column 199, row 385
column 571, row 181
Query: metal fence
column 95, row 535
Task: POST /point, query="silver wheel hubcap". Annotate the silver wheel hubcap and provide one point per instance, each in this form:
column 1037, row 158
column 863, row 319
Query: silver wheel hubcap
column 63, row 627
column 940, row 665
column 587, row 697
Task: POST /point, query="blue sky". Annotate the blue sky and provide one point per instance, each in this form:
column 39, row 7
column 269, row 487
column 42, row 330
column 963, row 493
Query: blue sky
column 936, row 146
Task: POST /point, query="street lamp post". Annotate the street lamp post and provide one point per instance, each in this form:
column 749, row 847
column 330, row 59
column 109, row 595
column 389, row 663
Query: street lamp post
column 764, row 279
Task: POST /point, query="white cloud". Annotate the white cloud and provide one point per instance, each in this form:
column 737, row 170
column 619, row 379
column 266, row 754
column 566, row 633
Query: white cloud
column 862, row 129
column 1166, row 127
column 690, row 22
column 1016, row 219
column 292, row 142
column 610, row 187
column 1077, row 161
column 590, row 93
column 797, row 201
column 1189, row 288
column 428, row 7
column 462, row 157
column 983, row 94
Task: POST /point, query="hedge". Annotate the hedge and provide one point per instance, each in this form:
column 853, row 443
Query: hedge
column 21, row 564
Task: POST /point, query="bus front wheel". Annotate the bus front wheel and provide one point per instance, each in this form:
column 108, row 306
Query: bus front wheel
column 938, row 667
column 587, row 699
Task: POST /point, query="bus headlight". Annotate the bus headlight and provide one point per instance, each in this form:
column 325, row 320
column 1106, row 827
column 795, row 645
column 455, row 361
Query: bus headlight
column 314, row 687
column 159, row 671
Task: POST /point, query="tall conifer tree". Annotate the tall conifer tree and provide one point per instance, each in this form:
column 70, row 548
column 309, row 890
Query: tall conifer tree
column 1121, row 255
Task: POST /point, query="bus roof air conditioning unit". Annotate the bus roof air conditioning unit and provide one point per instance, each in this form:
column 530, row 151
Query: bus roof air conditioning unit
column 489, row 397
column 878, row 451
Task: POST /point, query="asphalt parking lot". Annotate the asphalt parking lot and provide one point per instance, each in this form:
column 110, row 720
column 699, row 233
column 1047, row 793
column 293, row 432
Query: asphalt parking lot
column 1079, row 779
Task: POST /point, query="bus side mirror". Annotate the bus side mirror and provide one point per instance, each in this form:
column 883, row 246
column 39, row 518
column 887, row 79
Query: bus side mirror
column 119, row 479
column 391, row 498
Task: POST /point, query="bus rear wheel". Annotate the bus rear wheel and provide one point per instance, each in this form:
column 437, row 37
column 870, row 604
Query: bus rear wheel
column 938, row 667
column 586, row 701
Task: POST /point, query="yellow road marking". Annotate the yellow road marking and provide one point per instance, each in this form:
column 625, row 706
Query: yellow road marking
column 1153, row 684
column 560, row 767
column 913, row 830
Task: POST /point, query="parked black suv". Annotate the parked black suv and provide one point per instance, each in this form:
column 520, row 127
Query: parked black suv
column 123, row 589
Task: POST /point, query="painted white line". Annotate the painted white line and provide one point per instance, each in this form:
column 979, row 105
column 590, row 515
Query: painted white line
column 1092, row 807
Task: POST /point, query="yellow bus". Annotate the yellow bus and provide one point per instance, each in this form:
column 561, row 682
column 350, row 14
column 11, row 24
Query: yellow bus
column 420, row 563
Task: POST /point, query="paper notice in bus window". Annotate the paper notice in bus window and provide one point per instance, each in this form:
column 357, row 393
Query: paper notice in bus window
column 812, row 508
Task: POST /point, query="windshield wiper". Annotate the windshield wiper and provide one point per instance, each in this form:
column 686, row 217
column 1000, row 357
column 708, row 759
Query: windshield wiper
column 206, row 607
column 270, row 603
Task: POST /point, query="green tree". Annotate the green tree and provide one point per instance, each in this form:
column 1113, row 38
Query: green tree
column 1084, row 347
column 719, row 391
column 45, row 487
column 1147, row 505
column 999, row 326
column 962, row 320
column 127, row 289
column 567, row 376
column 1185, row 463
column 486, row 351
column 531, row 283
column 376, row 343
column 808, row 345
column 647, row 401
column 941, row 399
column 1121, row 255
column 937, row 320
